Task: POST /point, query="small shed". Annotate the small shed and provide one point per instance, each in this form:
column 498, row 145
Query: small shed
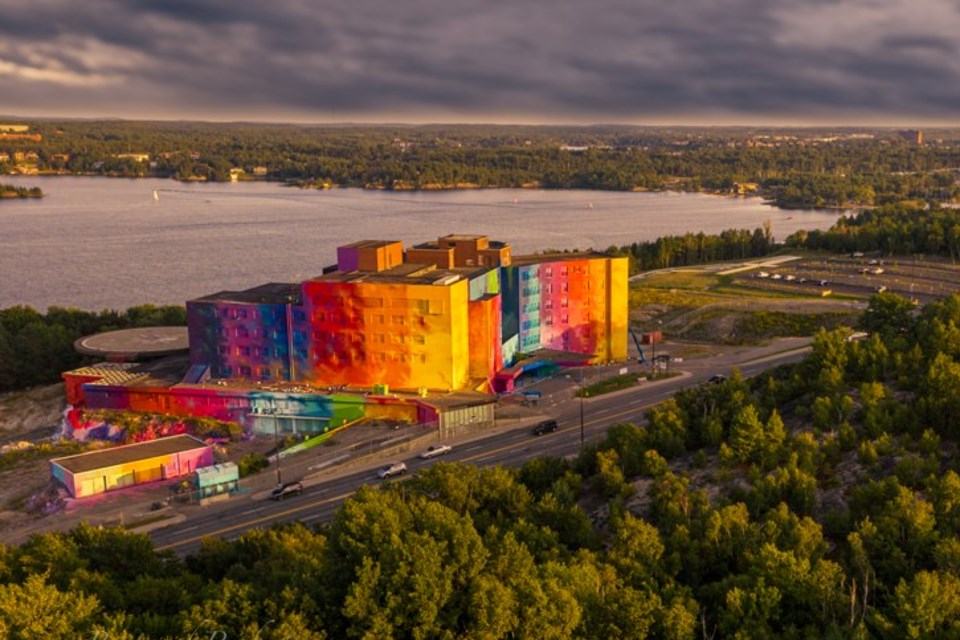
column 216, row 479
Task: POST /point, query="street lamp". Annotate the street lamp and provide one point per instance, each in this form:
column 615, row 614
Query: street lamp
column 581, row 408
column 276, row 442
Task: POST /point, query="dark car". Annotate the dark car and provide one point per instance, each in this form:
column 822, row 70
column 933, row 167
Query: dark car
column 287, row 489
column 547, row 426
column 718, row 379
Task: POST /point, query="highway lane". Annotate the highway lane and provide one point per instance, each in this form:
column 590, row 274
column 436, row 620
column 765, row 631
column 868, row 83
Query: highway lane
column 319, row 502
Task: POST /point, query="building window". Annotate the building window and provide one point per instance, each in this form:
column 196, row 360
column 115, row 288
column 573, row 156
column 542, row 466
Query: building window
column 223, row 349
column 419, row 339
column 245, row 351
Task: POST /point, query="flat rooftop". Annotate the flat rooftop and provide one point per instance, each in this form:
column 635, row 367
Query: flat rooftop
column 557, row 257
column 407, row 273
column 269, row 293
column 162, row 372
column 135, row 344
column 369, row 244
column 129, row 453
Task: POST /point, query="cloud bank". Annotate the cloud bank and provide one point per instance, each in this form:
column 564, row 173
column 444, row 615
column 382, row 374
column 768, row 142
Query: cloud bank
column 575, row 61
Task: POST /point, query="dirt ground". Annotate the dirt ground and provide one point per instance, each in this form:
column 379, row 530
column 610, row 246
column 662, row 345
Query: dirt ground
column 32, row 413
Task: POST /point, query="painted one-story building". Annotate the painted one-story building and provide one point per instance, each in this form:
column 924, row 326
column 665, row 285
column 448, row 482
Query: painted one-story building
column 95, row 472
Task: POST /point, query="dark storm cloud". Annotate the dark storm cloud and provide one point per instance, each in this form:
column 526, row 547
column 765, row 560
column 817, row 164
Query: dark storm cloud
column 524, row 60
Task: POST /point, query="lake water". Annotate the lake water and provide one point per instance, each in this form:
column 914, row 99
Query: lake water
column 97, row 243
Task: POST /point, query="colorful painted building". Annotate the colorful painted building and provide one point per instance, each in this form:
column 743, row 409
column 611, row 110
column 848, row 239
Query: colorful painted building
column 95, row 472
column 379, row 333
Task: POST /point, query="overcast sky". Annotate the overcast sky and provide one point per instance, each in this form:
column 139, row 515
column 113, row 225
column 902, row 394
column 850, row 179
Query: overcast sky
column 526, row 61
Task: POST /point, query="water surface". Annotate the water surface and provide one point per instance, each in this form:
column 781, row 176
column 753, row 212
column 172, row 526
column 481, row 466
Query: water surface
column 98, row 243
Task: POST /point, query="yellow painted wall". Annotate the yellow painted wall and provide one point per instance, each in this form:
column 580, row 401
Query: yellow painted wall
column 123, row 475
column 618, row 310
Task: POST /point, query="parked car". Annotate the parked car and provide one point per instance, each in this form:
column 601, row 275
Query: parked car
column 547, row 426
column 717, row 379
column 287, row 489
column 395, row 469
column 436, row 450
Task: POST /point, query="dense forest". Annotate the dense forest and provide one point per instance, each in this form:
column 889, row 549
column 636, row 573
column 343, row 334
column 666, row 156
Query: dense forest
column 794, row 168
column 896, row 229
column 819, row 500
column 36, row 348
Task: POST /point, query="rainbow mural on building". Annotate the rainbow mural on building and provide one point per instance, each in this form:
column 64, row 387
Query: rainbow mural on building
column 379, row 334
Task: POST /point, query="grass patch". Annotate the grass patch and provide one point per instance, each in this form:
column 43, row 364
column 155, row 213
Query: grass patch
column 45, row 450
column 690, row 280
column 617, row 383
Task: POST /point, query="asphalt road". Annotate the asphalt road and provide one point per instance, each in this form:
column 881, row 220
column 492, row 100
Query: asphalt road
column 319, row 502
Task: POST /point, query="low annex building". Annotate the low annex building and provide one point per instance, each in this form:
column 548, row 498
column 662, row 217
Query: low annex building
column 95, row 472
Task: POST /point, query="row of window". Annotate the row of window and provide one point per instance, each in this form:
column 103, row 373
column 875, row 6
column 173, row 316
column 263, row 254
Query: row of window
column 381, row 356
column 256, row 373
column 247, row 351
column 249, row 313
column 244, row 332
column 423, row 306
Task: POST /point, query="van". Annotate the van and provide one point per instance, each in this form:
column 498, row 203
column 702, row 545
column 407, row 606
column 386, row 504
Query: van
column 547, row 426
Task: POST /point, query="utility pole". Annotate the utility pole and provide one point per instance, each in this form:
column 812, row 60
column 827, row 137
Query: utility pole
column 276, row 442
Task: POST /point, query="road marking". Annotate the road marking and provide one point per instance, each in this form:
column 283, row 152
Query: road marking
column 250, row 523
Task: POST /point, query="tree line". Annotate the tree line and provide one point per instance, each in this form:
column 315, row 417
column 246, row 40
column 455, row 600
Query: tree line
column 698, row 248
column 897, row 229
column 819, row 500
column 809, row 168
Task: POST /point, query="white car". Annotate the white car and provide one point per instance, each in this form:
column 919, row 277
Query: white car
column 436, row 450
column 395, row 469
